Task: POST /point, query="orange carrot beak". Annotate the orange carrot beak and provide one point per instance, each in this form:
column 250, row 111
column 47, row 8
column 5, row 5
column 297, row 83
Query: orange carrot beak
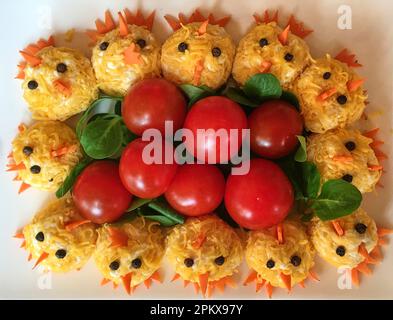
column 326, row 94
column 364, row 253
column 132, row 55
column 41, row 258
column 286, row 279
column 117, row 237
column 203, row 282
column 127, row 282
column 63, row 87
column 265, row 66
column 198, row 72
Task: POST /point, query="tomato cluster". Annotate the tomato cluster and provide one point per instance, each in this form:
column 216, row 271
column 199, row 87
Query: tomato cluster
column 258, row 199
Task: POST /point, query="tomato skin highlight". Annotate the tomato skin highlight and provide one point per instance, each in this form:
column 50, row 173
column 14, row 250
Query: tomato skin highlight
column 197, row 189
column 99, row 194
column 274, row 126
column 150, row 103
column 145, row 180
column 215, row 113
column 260, row 199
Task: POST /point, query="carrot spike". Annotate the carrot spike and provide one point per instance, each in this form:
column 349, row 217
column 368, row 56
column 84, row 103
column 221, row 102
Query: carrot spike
column 29, row 257
column 156, row 276
column 109, row 23
column 286, row 279
column 265, row 66
column 198, row 242
column 203, row 282
column 196, row 287
column 355, row 277
column 63, row 87
column 266, row 17
column 280, row 233
column 251, row 277
column 297, row 28
column 353, row 85
column 16, row 167
column 147, row 283
column 371, row 134
column 347, row 58
column 69, row 226
column 23, row 245
column 186, row 283
column 173, row 22
column 283, row 36
column 269, row 290
column 104, row 281
column 302, row 284
column 210, row 290
column 150, row 20
column 118, row 238
column 337, row 228
column 41, row 258
column 313, row 275
column 363, row 268
column 383, row 232
column 259, row 286
column 115, row 285
column 175, row 277
column 23, row 187
column 203, row 28
column 19, row 235
column 123, row 27
column 31, row 59
column 364, row 253
column 127, row 282
column 326, row 94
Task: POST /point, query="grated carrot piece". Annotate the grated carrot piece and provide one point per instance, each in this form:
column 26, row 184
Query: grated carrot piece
column 343, row 158
column 198, row 242
column 375, row 168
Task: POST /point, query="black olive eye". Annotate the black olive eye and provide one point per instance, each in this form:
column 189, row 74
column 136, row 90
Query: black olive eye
column 40, row 236
column 114, row 265
column 342, row 99
column 347, row 178
column 360, row 228
column 182, row 47
column 188, row 262
column 288, row 57
column 104, row 46
column 340, row 251
column 327, row 75
column 263, row 42
column 61, row 68
column 219, row 260
column 216, row 52
column 141, row 43
column 35, row 169
column 136, row 263
column 32, row 84
column 350, row 145
column 50, row 180
column 27, row 150
column 296, row 261
column 60, row 254
column 270, row 264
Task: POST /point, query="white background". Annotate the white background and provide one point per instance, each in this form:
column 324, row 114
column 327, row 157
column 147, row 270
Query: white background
column 22, row 22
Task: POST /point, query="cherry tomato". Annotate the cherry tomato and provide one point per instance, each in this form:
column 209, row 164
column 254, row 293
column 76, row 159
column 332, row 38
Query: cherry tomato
column 99, row 194
column 150, row 103
column 273, row 129
column 260, row 199
column 214, row 113
column 197, row 189
column 142, row 179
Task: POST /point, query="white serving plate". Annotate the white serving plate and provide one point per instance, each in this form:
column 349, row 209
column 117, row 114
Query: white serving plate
column 24, row 21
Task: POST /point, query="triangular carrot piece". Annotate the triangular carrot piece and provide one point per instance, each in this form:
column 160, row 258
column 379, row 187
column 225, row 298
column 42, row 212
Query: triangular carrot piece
column 269, row 290
column 286, row 279
column 259, row 286
column 267, row 18
column 19, row 235
column 355, row 277
column 173, row 22
column 41, row 258
column 353, row 85
column 265, row 66
column 127, row 282
column 203, row 282
column 118, row 238
column 337, row 228
column 280, row 233
column 132, row 56
column 250, row 278
column 16, row 167
column 32, row 60
column 104, row 281
column 175, row 277
column 203, row 28
column 156, row 276
column 123, row 27
column 297, row 28
column 109, row 22
column 186, row 283
column 363, row 268
column 100, row 26
column 150, row 20
column 23, row 187
column 147, row 283
column 347, row 58
column 63, row 87
column 196, row 287
column 384, row 232
column 283, row 36
column 313, row 275
column 139, row 19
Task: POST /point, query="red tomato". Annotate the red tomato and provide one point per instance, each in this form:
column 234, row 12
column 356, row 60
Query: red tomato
column 150, row 103
column 214, row 113
column 260, row 199
column 273, row 129
column 197, row 189
column 99, row 194
column 142, row 179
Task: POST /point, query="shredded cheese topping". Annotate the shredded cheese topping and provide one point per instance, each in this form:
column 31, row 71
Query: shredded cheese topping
column 179, row 67
column 323, row 148
column 46, row 102
column 78, row 243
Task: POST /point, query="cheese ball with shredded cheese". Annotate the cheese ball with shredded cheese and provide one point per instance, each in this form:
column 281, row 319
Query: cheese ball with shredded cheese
column 204, row 245
column 45, row 153
column 262, row 46
column 114, row 74
column 138, row 257
column 340, row 107
column 199, row 59
column 345, row 154
column 343, row 250
column 49, row 237
column 61, row 86
column 270, row 259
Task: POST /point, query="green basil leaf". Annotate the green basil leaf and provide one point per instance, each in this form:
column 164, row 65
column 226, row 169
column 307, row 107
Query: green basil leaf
column 137, row 203
column 263, row 86
column 294, row 173
column 338, row 198
column 290, row 98
column 195, row 93
column 301, row 153
column 238, row 96
column 164, row 221
column 162, row 207
column 71, row 178
column 102, row 138
column 311, row 179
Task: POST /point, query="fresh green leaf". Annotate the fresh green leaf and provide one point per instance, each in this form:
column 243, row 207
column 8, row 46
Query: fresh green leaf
column 163, row 220
column 301, row 153
column 294, row 173
column 138, row 202
column 307, row 217
column 117, row 108
column 71, row 178
column 311, row 179
column 195, row 93
column 102, row 138
column 338, row 198
column 238, row 96
column 263, row 86
column 290, row 98
column 163, row 208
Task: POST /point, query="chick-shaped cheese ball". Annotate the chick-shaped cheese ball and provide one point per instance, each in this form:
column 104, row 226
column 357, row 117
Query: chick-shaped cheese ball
column 267, row 48
column 130, row 253
column 280, row 257
column 125, row 54
column 199, row 52
column 44, row 154
column 330, row 94
column 59, row 238
column 345, row 154
column 57, row 82
column 205, row 251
